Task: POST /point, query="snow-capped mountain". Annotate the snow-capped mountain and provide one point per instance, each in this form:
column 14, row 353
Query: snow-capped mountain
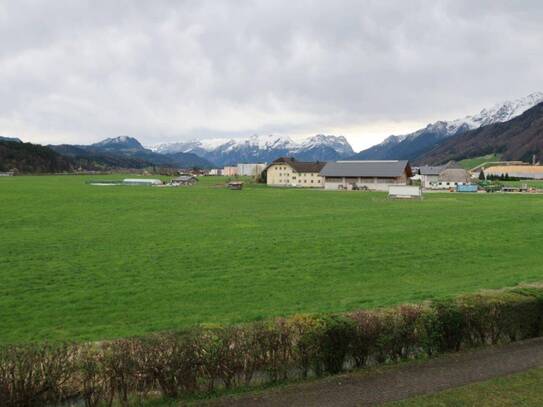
column 413, row 145
column 127, row 152
column 262, row 149
column 119, row 143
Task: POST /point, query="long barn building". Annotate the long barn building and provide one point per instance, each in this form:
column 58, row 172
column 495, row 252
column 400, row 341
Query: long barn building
column 373, row 175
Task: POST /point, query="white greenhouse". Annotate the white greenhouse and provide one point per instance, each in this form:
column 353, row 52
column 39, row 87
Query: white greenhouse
column 141, row 181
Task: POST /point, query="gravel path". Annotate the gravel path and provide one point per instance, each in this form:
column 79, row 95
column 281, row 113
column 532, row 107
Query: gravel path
column 387, row 384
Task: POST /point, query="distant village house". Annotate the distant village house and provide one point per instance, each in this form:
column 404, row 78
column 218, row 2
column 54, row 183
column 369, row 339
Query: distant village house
column 445, row 176
column 251, row 170
column 453, row 177
column 230, row 171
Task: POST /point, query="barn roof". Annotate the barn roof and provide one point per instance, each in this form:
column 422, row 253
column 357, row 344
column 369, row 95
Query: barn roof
column 383, row 168
column 301, row 166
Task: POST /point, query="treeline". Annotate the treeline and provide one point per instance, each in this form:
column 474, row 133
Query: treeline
column 502, row 177
column 28, row 158
column 32, row 158
column 174, row 365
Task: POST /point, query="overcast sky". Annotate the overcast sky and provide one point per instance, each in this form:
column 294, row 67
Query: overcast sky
column 79, row 71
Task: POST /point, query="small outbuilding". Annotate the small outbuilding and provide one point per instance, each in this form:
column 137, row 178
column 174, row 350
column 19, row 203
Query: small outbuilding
column 236, row 185
column 404, row 192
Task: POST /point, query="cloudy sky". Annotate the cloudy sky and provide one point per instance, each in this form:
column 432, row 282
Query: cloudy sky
column 79, row 71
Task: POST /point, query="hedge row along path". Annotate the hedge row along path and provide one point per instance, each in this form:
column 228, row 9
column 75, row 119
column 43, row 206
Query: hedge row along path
column 408, row 380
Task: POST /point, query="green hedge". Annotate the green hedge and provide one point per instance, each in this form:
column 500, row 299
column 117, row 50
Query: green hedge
column 203, row 360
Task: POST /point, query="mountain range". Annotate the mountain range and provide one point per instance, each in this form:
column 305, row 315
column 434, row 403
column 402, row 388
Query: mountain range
column 512, row 129
column 127, row 152
column 262, row 149
column 414, row 146
column 520, row 138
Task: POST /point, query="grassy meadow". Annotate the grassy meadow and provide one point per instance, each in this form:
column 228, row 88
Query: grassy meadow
column 521, row 389
column 470, row 163
column 84, row 262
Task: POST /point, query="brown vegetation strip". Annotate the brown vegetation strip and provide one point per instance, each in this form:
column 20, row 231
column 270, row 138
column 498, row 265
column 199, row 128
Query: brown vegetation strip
column 376, row 387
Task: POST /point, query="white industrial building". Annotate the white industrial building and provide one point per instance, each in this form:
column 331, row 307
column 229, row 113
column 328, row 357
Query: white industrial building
column 251, row 170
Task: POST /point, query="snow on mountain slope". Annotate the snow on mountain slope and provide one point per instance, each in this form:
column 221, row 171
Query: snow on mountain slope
column 412, row 145
column 262, row 148
column 121, row 142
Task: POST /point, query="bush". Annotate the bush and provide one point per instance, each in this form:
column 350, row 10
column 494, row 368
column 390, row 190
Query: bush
column 329, row 341
column 202, row 360
column 34, row 375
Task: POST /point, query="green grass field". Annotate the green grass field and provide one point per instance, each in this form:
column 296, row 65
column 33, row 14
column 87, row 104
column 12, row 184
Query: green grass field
column 87, row 262
column 470, row 163
column 533, row 183
column 521, row 389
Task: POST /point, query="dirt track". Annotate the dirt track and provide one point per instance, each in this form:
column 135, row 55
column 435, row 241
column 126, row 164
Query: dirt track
column 388, row 384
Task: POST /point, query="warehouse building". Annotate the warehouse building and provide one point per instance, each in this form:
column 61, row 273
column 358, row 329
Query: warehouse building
column 372, row 175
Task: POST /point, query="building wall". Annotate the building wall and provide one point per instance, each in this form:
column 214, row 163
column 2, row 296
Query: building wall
column 250, row 170
column 282, row 174
column 230, row 171
column 447, row 185
column 372, row 183
column 428, row 180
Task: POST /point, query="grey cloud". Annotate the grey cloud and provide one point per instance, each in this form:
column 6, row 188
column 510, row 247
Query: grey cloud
column 78, row 71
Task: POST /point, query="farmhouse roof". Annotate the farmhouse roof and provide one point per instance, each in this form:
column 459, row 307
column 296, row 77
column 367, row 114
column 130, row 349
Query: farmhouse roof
column 431, row 170
column 383, row 168
column 436, row 169
column 454, row 175
column 301, row 166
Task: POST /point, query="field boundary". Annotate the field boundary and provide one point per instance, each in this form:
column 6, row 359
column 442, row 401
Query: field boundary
column 204, row 361
column 394, row 383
